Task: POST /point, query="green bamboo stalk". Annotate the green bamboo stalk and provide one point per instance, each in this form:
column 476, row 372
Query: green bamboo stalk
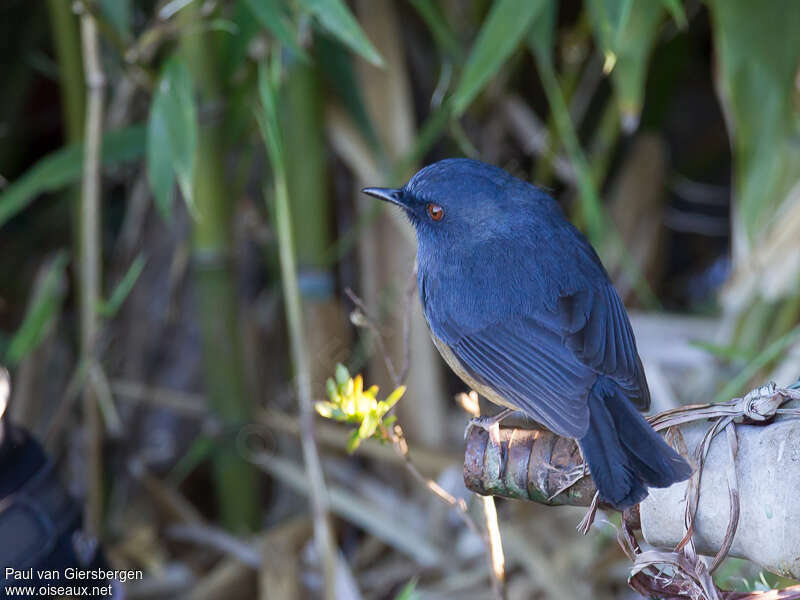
column 65, row 34
column 66, row 43
column 302, row 129
column 306, row 165
column 235, row 478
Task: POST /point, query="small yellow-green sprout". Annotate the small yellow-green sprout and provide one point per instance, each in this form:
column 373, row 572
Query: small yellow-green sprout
column 349, row 402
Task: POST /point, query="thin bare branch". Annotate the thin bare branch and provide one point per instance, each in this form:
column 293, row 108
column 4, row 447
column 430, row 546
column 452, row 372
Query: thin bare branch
column 90, row 257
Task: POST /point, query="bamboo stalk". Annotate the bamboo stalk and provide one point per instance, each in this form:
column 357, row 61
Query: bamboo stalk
column 303, row 136
column 67, row 46
column 218, row 306
column 90, row 263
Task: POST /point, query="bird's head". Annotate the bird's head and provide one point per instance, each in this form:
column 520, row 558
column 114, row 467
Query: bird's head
column 464, row 199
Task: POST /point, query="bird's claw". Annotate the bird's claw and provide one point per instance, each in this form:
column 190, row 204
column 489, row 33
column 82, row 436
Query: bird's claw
column 488, row 423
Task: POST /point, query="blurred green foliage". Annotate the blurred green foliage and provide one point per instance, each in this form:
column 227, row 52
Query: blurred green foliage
column 42, row 310
column 758, row 63
column 172, row 136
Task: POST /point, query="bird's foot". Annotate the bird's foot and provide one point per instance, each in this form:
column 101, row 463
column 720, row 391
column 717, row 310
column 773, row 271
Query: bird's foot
column 489, row 423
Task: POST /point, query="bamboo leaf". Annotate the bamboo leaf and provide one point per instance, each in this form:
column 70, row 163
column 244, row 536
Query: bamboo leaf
column 336, row 66
column 758, row 60
column 269, row 121
column 110, row 307
column 626, row 31
column 335, row 17
column 273, row 18
column 440, row 29
column 41, row 311
column 160, row 172
column 172, row 134
column 409, row 591
column 505, row 27
column 63, row 167
column 542, row 34
column 737, row 384
column 675, row 9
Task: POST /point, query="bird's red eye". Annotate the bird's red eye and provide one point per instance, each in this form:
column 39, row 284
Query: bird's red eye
column 435, row 211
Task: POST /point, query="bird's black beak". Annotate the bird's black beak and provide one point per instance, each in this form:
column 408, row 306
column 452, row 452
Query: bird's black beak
column 392, row 195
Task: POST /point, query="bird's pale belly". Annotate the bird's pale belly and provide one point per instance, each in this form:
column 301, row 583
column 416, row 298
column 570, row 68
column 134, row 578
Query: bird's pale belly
column 452, row 361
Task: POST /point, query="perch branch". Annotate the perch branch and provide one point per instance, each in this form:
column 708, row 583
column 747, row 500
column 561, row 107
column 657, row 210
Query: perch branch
column 540, row 466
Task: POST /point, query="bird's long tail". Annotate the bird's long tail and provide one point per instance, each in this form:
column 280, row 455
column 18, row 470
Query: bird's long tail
column 625, row 455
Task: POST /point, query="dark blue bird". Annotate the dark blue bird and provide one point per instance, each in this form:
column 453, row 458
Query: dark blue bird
column 522, row 310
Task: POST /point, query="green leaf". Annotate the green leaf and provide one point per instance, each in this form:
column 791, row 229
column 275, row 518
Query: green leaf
column 44, row 305
column 336, row 65
column 342, row 374
column 353, row 442
column 200, row 450
column 394, row 397
column 409, row 591
column 626, row 31
column 272, row 17
column 110, row 307
column 675, row 9
column 368, row 425
column 440, row 29
column 330, row 387
column 758, row 53
column 63, row 167
column 771, row 352
column 620, row 18
column 542, row 34
column 269, row 120
column 160, row 172
column 726, row 352
column 505, row 27
column 335, row 17
column 172, row 134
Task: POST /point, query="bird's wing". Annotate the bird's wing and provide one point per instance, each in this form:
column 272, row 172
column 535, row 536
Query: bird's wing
column 546, row 364
column 596, row 329
column 527, row 363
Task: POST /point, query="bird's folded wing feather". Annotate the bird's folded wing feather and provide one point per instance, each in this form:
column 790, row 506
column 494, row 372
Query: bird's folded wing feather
column 546, row 364
column 596, row 328
column 529, row 366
